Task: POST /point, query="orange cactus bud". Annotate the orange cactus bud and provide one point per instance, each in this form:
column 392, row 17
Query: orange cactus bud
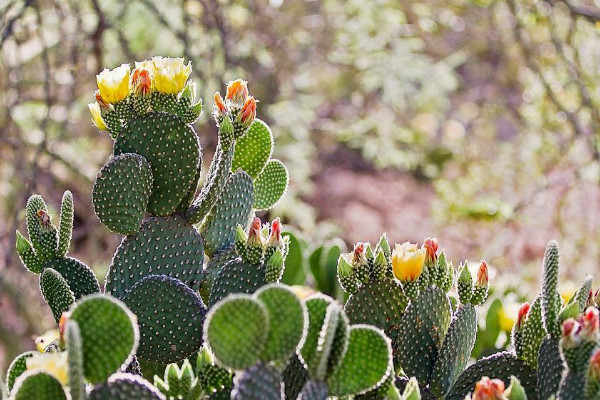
column 220, row 108
column 431, row 246
column 248, row 112
column 275, row 236
column 482, row 275
column 489, row 389
column 523, row 311
column 358, row 255
column 254, row 234
column 237, row 91
column 141, row 82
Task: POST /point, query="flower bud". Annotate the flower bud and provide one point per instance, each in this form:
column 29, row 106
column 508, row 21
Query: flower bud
column 237, row 92
column 590, row 324
column 431, row 246
column 275, row 234
column 219, row 106
column 384, row 245
column 141, row 82
column 254, row 234
column 488, row 389
column 570, row 337
column 408, row 261
column 481, row 286
column 246, row 116
column 465, row 284
column 274, row 266
column 346, row 274
column 523, row 311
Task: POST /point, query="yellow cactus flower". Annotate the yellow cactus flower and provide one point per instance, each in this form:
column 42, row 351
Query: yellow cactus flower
column 53, row 363
column 146, row 64
column 46, row 340
column 407, row 261
column 97, row 116
column 170, row 74
column 114, row 83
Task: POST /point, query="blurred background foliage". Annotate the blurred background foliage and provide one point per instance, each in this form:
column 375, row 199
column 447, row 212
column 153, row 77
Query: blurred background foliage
column 475, row 121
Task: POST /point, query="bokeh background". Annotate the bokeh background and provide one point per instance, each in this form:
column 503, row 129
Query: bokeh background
column 475, row 121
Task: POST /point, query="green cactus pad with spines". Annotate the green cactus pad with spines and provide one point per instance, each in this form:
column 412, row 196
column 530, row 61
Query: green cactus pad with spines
column 213, row 377
column 17, row 367
column 212, row 188
column 179, row 382
column 188, row 199
column 318, row 366
column 294, row 377
column 236, row 330
column 581, row 296
column 237, row 277
column 163, row 246
column 121, row 193
column 314, row 390
column 550, row 368
column 37, row 385
column 366, row 364
column 43, row 236
column 422, row 329
column 81, row 279
column 572, row 387
column 75, row 361
column 455, row 350
column 339, row 346
column 549, row 290
column 172, row 150
column 259, row 382
column 123, row 386
column 170, row 317
column 109, row 335
column 380, row 304
column 287, row 320
column 65, row 224
column 56, row 292
column 164, row 102
column 253, row 150
column 502, row 366
column 27, row 254
column 232, row 209
column 316, row 307
column 270, row 185
column 214, row 265
column 532, row 335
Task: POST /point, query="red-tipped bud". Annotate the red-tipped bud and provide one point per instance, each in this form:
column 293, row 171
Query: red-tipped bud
column 431, row 246
column 248, row 113
column 219, row 105
column 358, row 254
column 275, row 235
column 482, row 275
column 254, row 234
column 237, row 91
column 590, row 323
column 141, row 82
column 101, row 102
column 571, row 330
column 489, row 389
column 522, row 314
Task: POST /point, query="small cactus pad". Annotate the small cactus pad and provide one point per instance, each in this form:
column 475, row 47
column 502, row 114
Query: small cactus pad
column 232, row 209
column 121, row 193
column 80, row 277
column 56, row 292
column 42, row 233
column 253, row 150
column 214, row 265
column 421, row 332
column 163, row 246
column 65, row 225
column 259, row 382
column 27, row 254
column 16, row 368
column 237, row 277
column 319, row 363
column 294, row 377
column 380, row 304
column 236, row 330
column 455, row 350
column 270, row 185
column 550, row 368
column 316, row 307
column 38, row 385
column 171, row 147
column 75, row 361
column 109, row 335
column 367, row 363
column 549, row 290
column 287, row 322
column 572, row 387
column 502, row 366
column 170, row 317
column 124, row 386
column 532, row 335
column 314, row 390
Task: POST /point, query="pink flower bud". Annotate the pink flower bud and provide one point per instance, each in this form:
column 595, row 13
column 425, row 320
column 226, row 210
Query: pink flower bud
column 254, row 234
column 431, row 245
column 590, row 323
column 275, row 236
column 523, row 311
column 482, row 275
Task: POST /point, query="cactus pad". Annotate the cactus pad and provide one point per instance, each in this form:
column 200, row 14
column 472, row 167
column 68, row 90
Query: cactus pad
column 65, row 224
column 38, row 385
column 294, row 377
column 123, row 386
column 502, row 366
column 56, row 292
column 287, row 322
column 232, row 209
column 109, row 335
column 80, row 277
column 163, row 246
column 380, row 304
column 532, row 335
column 171, row 147
column 42, row 233
column 317, row 308
column 121, row 193
column 455, row 350
column 572, row 387
column 421, row 332
column 170, row 317
column 237, row 277
column 367, row 363
column 75, row 361
column 549, row 290
column 16, row 368
column 550, row 368
column 259, row 382
column 253, row 150
column 27, row 254
column 270, row 185
column 236, row 330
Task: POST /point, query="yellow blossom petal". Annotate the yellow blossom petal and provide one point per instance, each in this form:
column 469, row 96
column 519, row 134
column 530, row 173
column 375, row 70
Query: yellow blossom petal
column 408, row 261
column 97, row 116
column 113, row 84
column 53, row 363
